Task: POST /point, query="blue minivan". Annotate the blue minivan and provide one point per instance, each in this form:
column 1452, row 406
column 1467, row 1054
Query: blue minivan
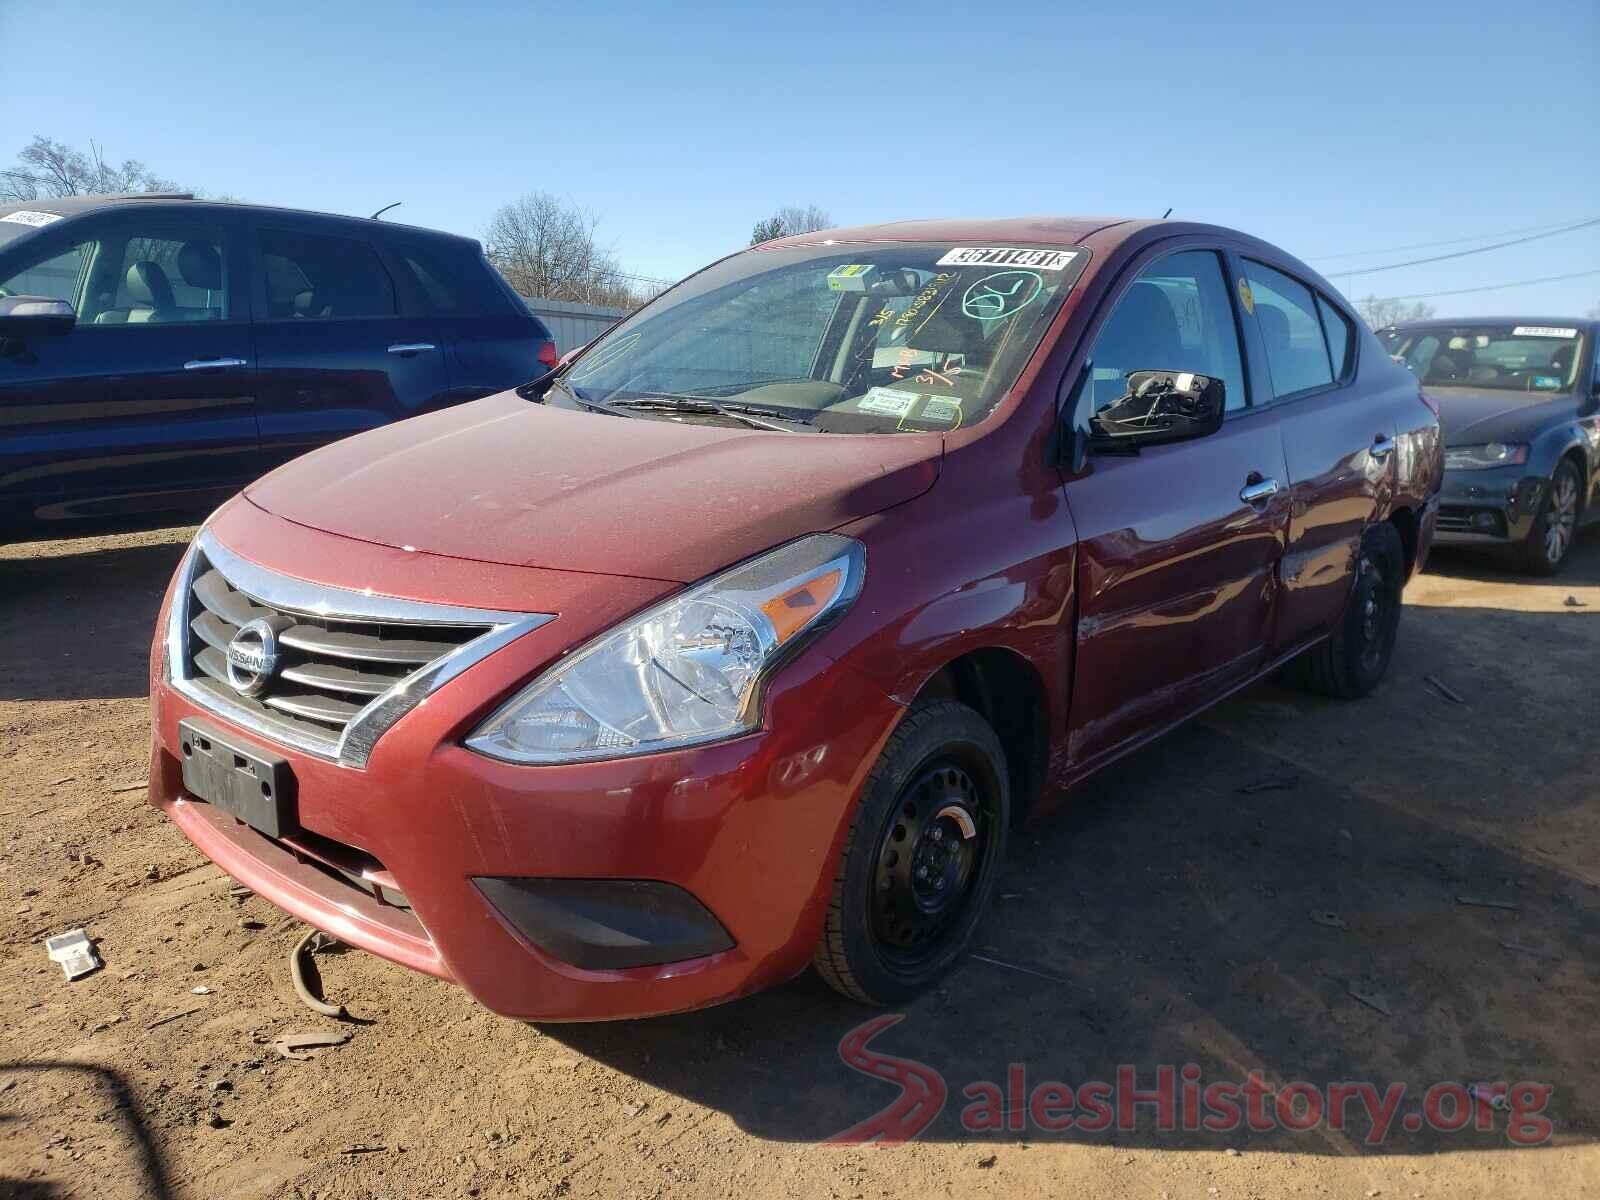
column 208, row 342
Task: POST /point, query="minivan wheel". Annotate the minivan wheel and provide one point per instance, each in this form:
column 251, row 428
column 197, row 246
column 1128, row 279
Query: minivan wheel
column 1550, row 539
column 1352, row 662
column 920, row 860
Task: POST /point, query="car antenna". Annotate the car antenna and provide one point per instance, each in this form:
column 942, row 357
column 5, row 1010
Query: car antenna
column 385, row 209
column 1166, row 214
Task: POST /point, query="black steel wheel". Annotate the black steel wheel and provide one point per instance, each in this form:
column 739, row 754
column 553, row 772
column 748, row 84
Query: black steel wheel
column 1353, row 661
column 920, row 859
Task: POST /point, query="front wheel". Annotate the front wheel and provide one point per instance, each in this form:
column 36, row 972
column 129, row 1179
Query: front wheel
column 920, row 860
column 1352, row 662
column 1545, row 551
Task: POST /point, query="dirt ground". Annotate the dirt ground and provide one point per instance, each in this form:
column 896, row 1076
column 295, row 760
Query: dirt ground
column 1273, row 888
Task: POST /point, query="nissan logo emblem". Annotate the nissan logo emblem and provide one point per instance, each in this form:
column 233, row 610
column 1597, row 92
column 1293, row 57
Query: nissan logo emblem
column 252, row 657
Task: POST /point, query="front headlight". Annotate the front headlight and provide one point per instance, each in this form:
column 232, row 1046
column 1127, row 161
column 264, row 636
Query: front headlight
column 689, row 670
column 1481, row 458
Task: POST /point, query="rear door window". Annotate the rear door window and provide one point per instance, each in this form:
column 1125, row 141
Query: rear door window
column 1341, row 338
column 313, row 277
column 1291, row 329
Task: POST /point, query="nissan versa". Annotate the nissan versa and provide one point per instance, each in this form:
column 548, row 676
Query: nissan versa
column 738, row 642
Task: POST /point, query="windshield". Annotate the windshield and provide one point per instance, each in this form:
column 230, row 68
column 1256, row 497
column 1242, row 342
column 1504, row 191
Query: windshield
column 866, row 338
column 1512, row 358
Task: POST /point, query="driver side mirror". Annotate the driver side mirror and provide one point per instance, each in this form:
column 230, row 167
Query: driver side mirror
column 29, row 316
column 1158, row 407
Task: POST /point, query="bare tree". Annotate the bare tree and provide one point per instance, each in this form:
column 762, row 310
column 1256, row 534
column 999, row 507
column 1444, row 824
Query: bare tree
column 47, row 169
column 788, row 221
column 546, row 247
column 1378, row 313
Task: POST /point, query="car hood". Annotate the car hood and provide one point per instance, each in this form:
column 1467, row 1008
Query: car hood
column 508, row 481
column 1471, row 418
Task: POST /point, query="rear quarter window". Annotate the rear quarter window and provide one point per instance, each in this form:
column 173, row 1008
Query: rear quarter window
column 450, row 282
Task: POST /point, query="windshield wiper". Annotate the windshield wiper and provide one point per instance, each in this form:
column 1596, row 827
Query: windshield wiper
column 752, row 415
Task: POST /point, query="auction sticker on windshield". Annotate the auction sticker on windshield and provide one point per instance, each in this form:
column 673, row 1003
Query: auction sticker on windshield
column 1007, row 256
column 1543, row 331
column 36, row 219
column 887, row 402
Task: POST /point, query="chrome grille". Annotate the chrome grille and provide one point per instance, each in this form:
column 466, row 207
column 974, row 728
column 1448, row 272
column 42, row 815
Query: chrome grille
column 346, row 665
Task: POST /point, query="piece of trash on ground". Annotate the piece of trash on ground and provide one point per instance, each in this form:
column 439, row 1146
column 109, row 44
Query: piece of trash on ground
column 1279, row 783
column 1331, row 919
column 73, row 951
column 1494, row 1097
column 1574, row 602
column 995, row 962
column 1521, row 949
column 178, row 1016
column 364, row 1149
column 1443, row 689
column 1486, row 902
column 313, row 941
column 1371, row 999
column 297, row 1045
column 202, row 990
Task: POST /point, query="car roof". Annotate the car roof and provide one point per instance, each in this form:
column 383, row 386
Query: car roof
column 1062, row 231
column 1100, row 235
column 1452, row 322
column 78, row 206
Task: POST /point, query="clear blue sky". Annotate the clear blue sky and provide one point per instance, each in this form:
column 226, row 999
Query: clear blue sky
column 1324, row 128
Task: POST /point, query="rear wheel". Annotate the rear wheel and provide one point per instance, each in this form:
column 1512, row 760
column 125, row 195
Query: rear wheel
column 1351, row 662
column 1550, row 539
column 920, row 860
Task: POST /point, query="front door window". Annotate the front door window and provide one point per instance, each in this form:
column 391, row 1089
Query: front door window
column 1175, row 317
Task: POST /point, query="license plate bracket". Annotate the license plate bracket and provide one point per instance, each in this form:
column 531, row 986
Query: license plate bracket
column 246, row 781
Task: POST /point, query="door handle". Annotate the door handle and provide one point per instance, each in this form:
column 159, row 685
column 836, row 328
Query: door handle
column 1382, row 446
column 213, row 364
column 1258, row 492
column 410, row 347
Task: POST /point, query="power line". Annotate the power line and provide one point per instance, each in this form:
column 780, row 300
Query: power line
column 1492, row 287
column 640, row 278
column 1477, row 237
column 1416, row 262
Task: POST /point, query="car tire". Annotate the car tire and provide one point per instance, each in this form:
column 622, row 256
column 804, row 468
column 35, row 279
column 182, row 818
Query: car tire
column 920, row 860
column 1550, row 540
column 1355, row 658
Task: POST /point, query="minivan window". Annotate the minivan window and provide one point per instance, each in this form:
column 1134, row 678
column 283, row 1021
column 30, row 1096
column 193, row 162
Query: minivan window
column 1176, row 316
column 1341, row 340
column 1297, row 351
column 313, row 277
column 875, row 337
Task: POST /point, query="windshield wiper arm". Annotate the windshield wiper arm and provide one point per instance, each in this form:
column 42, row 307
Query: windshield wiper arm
column 752, row 415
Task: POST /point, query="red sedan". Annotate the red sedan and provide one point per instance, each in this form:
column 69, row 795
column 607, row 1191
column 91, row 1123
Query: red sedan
column 739, row 642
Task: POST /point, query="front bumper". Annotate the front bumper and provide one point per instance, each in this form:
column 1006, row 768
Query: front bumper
column 1488, row 508
column 392, row 856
